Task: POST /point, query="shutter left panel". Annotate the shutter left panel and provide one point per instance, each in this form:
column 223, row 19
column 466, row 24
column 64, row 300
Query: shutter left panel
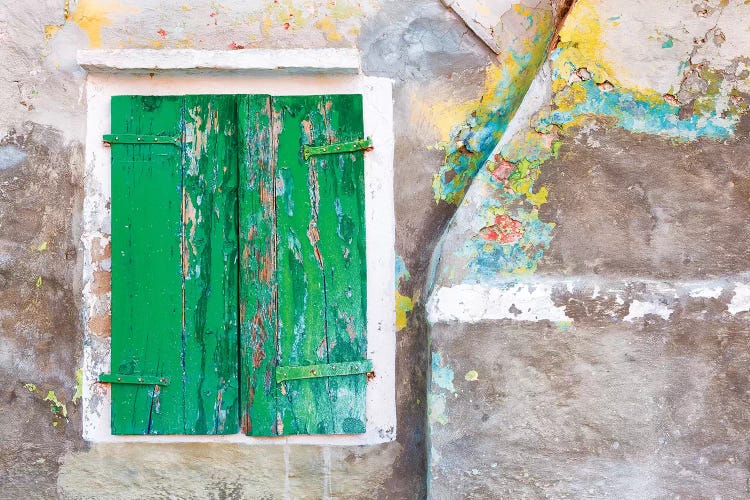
column 147, row 295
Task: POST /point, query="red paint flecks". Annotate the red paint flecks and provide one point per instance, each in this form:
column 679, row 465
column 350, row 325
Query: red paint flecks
column 502, row 170
column 505, row 230
column 235, row 46
column 162, row 33
column 286, row 26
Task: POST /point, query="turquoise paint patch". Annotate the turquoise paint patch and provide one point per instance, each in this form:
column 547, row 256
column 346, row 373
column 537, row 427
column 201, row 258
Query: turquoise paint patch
column 472, row 143
column 637, row 115
column 442, row 375
column 401, row 272
column 436, row 409
column 668, row 44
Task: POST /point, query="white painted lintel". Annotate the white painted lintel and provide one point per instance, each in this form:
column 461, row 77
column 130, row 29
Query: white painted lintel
column 328, row 60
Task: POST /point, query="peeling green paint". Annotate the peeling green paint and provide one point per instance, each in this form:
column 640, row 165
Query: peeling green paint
column 58, row 407
column 79, row 386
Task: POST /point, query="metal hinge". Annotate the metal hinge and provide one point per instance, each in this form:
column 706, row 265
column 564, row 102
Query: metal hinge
column 140, row 139
column 337, row 147
column 329, row 370
column 110, row 378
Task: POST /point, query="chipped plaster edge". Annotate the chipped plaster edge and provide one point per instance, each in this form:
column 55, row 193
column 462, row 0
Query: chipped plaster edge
column 481, row 19
column 534, row 299
column 337, row 60
column 380, row 237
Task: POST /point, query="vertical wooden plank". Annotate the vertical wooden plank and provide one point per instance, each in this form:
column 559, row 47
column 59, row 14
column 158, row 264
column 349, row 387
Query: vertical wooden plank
column 321, row 262
column 257, row 267
column 341, row 221
column 210, row 265
column 146, row 269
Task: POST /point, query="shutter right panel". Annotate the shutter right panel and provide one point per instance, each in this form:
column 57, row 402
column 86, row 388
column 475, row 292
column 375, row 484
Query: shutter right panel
column 321, row 264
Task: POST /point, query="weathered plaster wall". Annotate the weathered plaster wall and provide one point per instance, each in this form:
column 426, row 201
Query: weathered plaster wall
column 589, row 296
column 589, row 302
column 433, row 59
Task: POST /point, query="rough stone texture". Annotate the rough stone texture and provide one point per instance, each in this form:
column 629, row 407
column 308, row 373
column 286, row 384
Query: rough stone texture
column 639, row 205
column 41, row 195
column 224, row 471
column 652, row 410
column 40, row 185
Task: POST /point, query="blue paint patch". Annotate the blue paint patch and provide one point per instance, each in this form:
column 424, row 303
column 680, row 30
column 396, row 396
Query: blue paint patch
column 442, row 375
column 474, row 140
column 639, row 115
column 401, row 272
column 436, row 409
column 668, row 44
column 490, row 260
column 11, row 156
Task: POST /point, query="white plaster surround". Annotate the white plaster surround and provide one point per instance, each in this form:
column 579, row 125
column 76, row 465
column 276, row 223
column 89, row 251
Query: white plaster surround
column 292, row 61
column 303, row 72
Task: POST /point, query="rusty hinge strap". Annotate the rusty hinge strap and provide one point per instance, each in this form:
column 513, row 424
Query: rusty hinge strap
column 140, row 139
column 337, row 147
column 329, row 370
column 113, row 378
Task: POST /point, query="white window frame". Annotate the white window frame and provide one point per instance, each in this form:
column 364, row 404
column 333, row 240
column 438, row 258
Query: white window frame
column 274, row 72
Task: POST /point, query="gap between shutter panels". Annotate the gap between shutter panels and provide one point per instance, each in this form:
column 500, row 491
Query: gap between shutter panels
column 317, row 407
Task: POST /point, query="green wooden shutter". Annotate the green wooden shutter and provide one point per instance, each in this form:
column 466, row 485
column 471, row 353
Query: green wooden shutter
column 316, row 289
column 214, row 204
column 174, row 265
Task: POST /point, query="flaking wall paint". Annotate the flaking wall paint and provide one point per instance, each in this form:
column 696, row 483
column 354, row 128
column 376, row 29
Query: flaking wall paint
column 599, row 251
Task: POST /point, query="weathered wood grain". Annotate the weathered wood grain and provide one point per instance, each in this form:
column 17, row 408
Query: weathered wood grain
column 321, row 262
column 258, row 302
column 209, row 260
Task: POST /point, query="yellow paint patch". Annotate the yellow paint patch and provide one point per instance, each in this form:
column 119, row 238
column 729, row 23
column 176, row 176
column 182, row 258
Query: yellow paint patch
column 445, row 115
column 582, row 45
column 329, row 29
column 471, row 376
column 404, row 305
column 50, row 30
column 92, row 15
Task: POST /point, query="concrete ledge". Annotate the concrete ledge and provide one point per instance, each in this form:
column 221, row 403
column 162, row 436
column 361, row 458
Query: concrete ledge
column 277, row 60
